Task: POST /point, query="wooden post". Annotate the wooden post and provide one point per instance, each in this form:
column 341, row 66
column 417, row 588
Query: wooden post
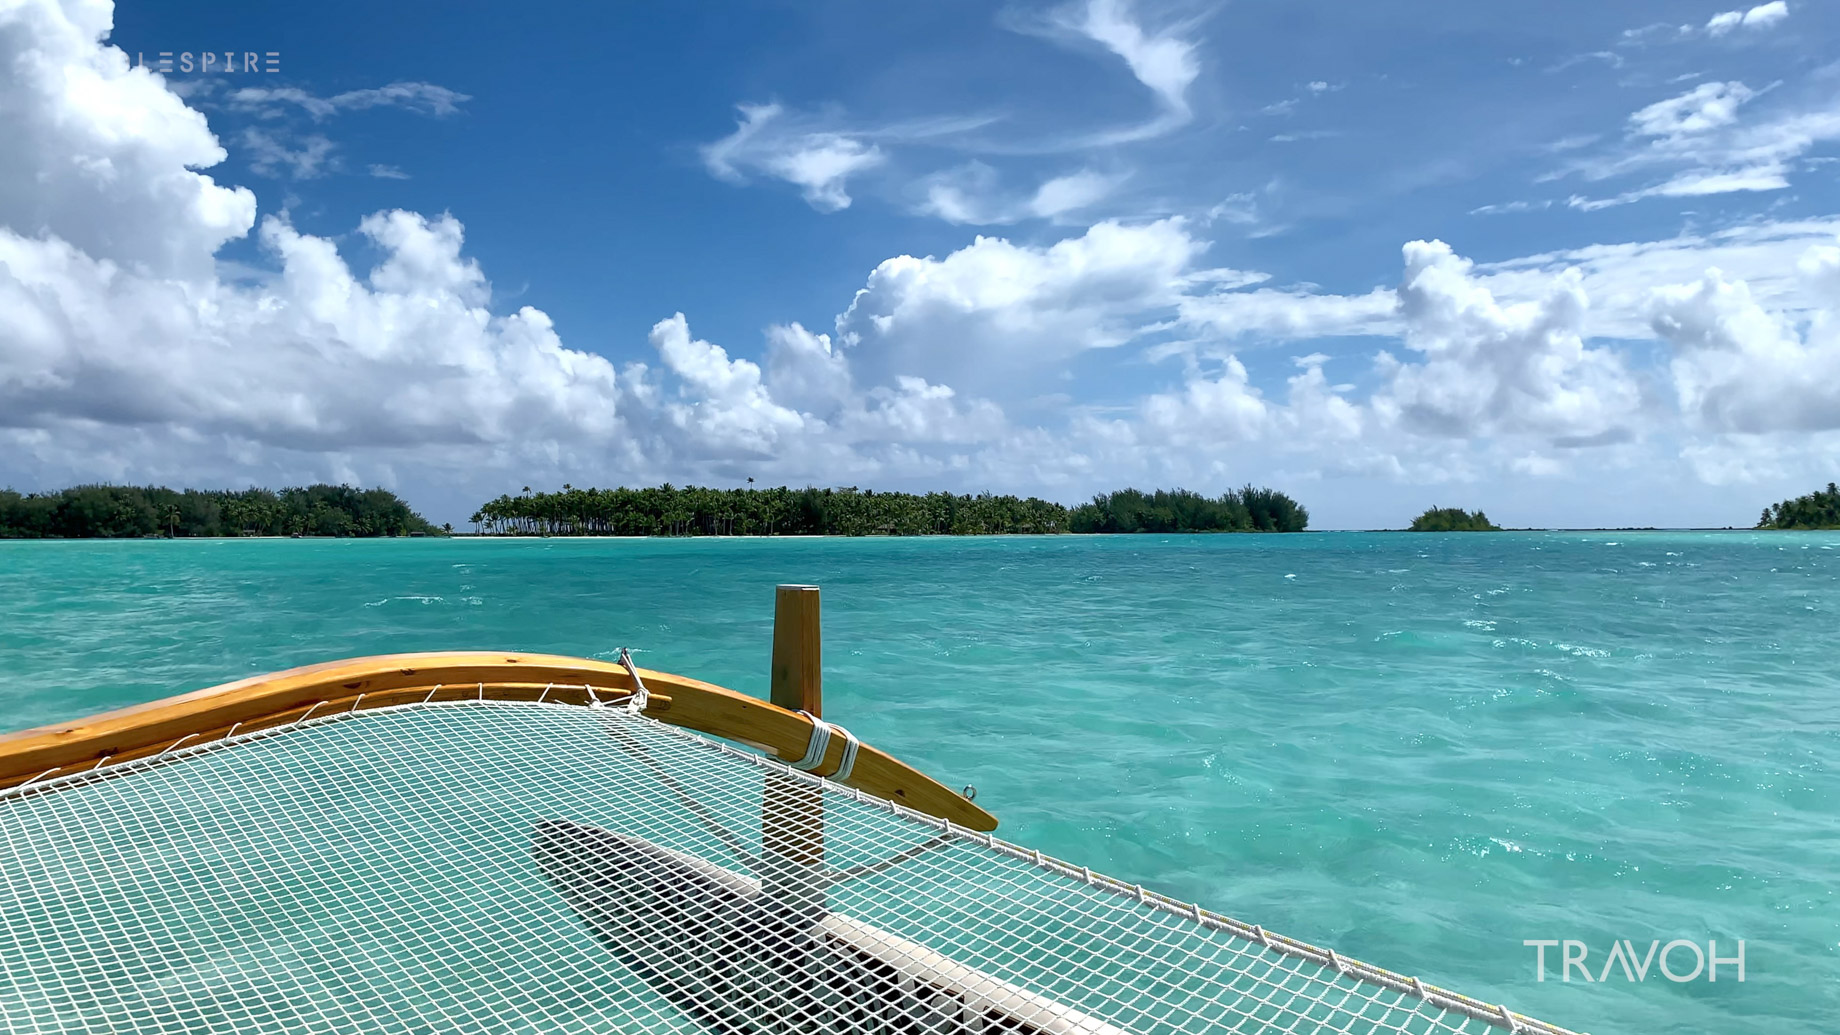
column 792, row 811
column 798, row 650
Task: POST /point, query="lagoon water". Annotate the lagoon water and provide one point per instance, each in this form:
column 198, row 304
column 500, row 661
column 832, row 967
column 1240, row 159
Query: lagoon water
column 1422, row 750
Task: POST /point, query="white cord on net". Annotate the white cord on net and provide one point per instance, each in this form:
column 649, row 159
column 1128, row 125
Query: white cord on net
column 495, row 864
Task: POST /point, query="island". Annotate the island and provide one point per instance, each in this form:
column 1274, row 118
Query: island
column 1452, row 519
column 690, row 511
column 131, row 512
column 1818, row 509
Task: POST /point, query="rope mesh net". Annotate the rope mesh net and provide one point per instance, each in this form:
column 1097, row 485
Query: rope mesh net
column 516, row 867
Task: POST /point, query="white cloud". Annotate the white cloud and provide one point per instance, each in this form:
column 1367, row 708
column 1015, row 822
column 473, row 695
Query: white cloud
column 1760, row 17
column 722, row 403
column 275, row 150
column 1695, row 183
column 820, row 163
column 1724, row 22
column 1618, row 278
column 1741, row 368
column 1240, row 209
column 1291, row 315
column 102, row 154
column 1704, row 138
column 971, row 194
column 1706, row 106
column 315, row 360
column 124, row 351
column 422, row 98
column 1504, row 208
column 1162, row 61
column 1209, row 410
column 806, row 372
column 965, row 195
column 118, row 336
column 996, row 311
column 269, row 156
column 1071, row 193
column 914, row 411
column 1490, row 368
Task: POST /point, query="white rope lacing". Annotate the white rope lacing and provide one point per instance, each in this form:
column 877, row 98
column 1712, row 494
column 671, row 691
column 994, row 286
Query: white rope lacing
column 820, row 744
column 506, row 864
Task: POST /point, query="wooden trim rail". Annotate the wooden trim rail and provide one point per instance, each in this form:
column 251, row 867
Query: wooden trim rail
column 391, row 679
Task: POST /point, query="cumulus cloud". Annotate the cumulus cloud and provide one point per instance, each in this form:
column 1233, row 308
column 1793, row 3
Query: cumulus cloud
column 101, row 154
column 1490, row 368
column 117, row 332
column 1741, row 368
column 318, row 359
column 807, row 372
column 1220, row 408
column 722, row 403
column 1760, row 17
column 819, row 163
column 126, row 351
column 995, row 311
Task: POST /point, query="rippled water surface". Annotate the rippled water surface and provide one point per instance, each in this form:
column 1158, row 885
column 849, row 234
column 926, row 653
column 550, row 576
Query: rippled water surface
column 1421, row 750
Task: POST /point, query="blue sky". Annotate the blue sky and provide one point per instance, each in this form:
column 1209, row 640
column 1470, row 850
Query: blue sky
column 1380, row 255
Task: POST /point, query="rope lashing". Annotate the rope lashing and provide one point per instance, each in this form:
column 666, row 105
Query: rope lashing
column 640, row 695
column 821, row 742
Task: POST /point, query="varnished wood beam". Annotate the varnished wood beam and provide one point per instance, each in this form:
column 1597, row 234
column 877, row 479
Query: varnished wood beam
column 147, row 729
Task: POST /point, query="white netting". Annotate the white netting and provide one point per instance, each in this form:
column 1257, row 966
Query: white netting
column 515, row 867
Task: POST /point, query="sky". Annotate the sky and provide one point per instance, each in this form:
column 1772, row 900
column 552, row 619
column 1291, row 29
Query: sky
column 1576, row 264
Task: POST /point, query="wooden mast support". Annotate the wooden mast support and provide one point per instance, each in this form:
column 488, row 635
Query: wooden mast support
column 792, row 810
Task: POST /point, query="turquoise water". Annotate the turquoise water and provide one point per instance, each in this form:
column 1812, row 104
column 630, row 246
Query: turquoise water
column 1421, row 750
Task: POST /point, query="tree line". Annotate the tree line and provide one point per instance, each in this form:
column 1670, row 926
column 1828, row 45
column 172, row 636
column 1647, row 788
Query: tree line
column 1818, row 509
column 1179, row 510
column 691, row 510
column 126, row 512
